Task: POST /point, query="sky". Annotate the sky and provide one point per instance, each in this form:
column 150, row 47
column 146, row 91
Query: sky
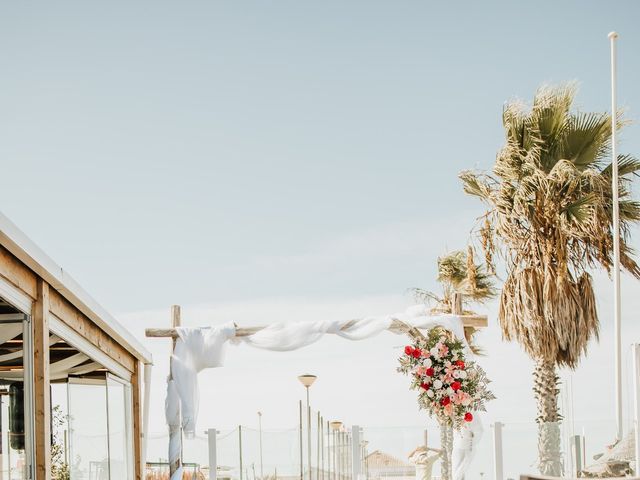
column 262, row 161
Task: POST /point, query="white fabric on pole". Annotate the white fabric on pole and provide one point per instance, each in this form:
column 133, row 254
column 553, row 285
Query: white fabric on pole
column 284, row 337
column 465, row 447
column 195, row 350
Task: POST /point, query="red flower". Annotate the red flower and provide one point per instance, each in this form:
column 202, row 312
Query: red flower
column 425, row 386
column 416, row 353
column 429, row 372
column 460, row 364
column 445, row 401
column 408, row 350
column 468, row 417
column 456, row 386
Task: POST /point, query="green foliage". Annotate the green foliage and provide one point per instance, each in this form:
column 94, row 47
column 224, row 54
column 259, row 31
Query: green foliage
column 59, row 467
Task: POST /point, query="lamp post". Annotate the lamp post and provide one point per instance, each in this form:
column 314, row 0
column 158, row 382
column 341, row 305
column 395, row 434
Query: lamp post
column 307, row 380
column 336, row 426
column 260, row 440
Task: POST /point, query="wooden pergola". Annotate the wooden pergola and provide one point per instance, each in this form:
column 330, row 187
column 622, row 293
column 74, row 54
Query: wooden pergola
column 470, row 321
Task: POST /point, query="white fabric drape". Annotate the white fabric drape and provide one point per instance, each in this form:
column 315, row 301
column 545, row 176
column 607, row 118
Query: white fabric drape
column 465, row 445
column 200, row 348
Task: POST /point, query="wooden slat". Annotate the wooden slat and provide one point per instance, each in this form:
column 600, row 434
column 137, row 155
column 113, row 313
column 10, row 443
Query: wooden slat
column 70, row 315
column 477, row 321
column 136, row 388
column 17, row 273
column 42, row 397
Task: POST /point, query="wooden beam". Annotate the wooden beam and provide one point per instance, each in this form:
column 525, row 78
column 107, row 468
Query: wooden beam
column 136, row 389
column 476, row 321
column 71, row 316
column 17, row 273
column 42, row 397
column 176, row 321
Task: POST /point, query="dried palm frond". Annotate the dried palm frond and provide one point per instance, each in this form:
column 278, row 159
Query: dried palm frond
column 458, row 273
column 550, row 208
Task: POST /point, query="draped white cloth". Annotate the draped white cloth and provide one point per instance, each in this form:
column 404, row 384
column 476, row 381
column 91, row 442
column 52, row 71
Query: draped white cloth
column 204, row 347
column 465, row 447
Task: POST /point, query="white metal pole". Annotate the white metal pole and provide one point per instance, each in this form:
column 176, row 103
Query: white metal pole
column 213, row 453
column 309, row 436
column 356, row 453
column 260, row 439
column 616, row 242
column 636, row 398
column 498, row 470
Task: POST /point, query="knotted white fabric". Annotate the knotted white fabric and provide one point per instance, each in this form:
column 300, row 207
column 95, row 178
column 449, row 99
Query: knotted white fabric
column 200, row 348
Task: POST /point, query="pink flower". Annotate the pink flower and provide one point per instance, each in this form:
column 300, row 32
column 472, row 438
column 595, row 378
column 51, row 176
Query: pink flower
column 448, row 409
column 443, row 349
column 421, row 370
column 461, row 398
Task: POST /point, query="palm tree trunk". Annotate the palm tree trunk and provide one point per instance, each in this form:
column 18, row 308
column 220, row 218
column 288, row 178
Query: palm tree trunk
column 446, row 445
column 546, row 392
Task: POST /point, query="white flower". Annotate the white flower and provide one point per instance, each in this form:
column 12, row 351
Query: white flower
column 450, row 391
column 434, row 352
column 428, row 363
column 456, row 374
column 430, row 393
column 461, row 374
column 437, row 384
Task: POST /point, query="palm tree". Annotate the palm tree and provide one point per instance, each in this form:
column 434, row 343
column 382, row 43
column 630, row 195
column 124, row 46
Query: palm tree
column 459, row 273
column 550, row 215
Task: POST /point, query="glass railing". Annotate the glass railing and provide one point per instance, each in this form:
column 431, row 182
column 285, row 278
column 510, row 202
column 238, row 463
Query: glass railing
column 384, row 451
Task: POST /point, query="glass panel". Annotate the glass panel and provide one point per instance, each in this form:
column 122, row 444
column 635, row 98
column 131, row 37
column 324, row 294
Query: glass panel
column 120, row 445
column 14, row 403
column 88, row 436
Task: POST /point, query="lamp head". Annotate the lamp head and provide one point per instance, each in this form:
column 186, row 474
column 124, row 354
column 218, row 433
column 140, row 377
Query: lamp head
column 307, row 380
column 335, row 425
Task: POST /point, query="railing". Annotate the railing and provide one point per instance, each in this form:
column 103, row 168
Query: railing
column 505, row 451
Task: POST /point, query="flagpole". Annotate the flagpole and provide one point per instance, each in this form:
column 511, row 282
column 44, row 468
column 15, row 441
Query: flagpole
column 616, row 241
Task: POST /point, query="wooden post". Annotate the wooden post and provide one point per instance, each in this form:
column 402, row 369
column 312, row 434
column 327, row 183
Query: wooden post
column 456, row 308
column 41, row 390
column 136, row 390
column 175, row 322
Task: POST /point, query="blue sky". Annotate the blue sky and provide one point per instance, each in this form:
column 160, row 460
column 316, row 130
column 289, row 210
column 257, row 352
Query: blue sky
column 255, row 161
column 200, row 150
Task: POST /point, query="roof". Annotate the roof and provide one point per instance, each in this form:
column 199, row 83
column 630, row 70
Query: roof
column 378, row 460
column 22, row 247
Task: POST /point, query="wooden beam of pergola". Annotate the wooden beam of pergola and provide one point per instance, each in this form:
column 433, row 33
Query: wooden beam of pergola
column 472, row 321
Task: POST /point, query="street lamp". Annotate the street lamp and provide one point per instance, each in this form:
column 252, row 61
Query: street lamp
column 307, row 380
column 336, row 426
column 260, row 429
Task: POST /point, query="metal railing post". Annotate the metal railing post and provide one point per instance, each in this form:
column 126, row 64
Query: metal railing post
column 213, row 453
column 636, row 399
column 355, row 452
column 498, row 468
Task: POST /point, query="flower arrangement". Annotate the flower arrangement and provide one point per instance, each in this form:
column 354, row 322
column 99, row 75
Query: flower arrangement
column 452, row 387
